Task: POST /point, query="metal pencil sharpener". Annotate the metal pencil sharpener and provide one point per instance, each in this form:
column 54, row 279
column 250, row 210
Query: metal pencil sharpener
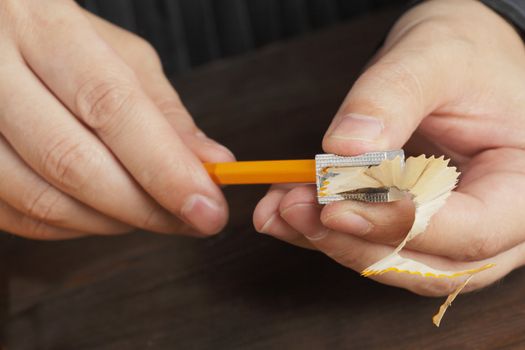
column 324, row 162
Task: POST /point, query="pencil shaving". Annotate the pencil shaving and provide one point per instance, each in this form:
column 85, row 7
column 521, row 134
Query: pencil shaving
column 430, row 182
column 443, row 308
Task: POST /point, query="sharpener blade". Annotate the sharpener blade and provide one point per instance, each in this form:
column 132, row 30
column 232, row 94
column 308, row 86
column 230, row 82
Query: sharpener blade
column 323, row 161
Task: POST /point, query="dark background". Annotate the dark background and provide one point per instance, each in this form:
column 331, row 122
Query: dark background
column 188, row 33
column 240, row 289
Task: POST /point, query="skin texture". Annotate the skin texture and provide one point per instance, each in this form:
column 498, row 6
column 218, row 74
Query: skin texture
column 94, row 139
column 450, row 79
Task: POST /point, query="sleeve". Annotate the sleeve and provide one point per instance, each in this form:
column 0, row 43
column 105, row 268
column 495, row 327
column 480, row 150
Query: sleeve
column 512, row 10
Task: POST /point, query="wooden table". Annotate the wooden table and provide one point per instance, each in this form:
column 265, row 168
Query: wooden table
column 241, row 289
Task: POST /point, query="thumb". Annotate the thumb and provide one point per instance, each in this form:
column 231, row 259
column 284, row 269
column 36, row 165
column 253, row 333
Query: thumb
column 388, row 101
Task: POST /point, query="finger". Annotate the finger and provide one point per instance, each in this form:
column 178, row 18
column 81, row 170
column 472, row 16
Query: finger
column 267, row 218
column 105, row 95
column 485, row 216
column 452, row 232
column 144, row 61
column 160, row 90
column 19, row 224
column 302, row 199
column 389, row 100
column 472, row 225
column 68, row 156
column 157, row 86
column 386, row 223
column 357, row 254
column 26, row 192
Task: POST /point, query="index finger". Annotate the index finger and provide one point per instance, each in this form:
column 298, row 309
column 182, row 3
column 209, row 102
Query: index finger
column 104, row 94
column 357, row 253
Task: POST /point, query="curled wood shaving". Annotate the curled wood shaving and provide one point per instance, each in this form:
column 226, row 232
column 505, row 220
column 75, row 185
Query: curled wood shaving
column 430, row 181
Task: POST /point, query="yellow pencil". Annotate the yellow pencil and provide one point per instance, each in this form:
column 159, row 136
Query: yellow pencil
column 263, row 172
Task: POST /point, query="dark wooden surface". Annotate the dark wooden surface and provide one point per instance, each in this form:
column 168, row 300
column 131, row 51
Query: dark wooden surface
column 240, row 289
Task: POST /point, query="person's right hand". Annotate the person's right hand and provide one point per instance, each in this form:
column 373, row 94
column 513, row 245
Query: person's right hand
column 94, row 140
column 449, row 80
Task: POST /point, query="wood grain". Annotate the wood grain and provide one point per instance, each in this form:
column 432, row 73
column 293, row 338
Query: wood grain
column 241, row 289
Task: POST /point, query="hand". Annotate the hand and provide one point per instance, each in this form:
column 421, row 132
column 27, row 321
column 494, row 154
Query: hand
column 450, row 79
column 94, row 140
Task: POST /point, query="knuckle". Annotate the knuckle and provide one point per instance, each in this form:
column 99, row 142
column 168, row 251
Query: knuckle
column 345, row 256
column 170, row 106
column 13, row 8
column 153, row 220
column 148, row 52
column 43, row 205
column 444, row 30
column 10, row 10
column 150, row 219
column 157, row 219
column 301, row 195
column 397, row 76
column 168, row 179
column 481, row 247
column 439, row 37
column 101, row 102
column 71, row 164
column 33, row 228
column 434, row 28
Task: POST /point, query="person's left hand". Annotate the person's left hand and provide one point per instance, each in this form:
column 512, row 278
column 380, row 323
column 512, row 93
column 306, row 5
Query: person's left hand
column 453, row 72
column 94, row 140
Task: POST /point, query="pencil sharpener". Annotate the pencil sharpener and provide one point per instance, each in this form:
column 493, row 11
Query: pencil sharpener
column 324, row 162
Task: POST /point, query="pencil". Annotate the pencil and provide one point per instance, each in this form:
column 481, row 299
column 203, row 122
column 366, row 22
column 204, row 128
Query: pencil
column 262, row 172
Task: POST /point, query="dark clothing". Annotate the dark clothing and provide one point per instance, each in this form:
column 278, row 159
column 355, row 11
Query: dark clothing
column 512, row 10
column 187, row 33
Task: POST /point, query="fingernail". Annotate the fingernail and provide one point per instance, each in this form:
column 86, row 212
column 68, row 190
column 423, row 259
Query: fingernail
column 266, row 227
column 358, row 127
column 355, row 223
column 225, row 150
column 203, row 213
